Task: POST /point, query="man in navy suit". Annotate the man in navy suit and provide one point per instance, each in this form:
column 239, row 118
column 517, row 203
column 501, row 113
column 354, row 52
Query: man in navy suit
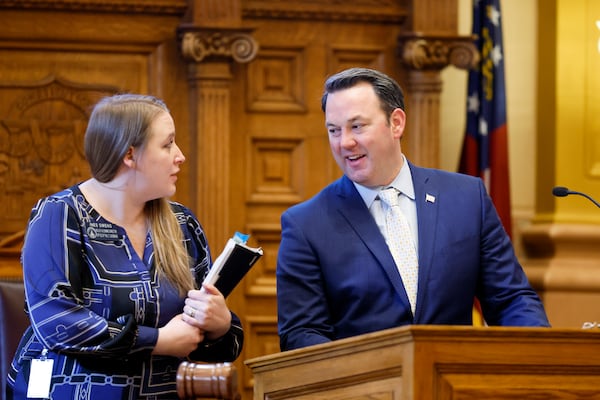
column 336, row 276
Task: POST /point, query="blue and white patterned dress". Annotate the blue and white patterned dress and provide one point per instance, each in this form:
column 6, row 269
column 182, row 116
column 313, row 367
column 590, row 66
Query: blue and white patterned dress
column 97, row 308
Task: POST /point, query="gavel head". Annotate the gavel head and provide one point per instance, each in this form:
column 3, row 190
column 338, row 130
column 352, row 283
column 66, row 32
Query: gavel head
column 207, row 380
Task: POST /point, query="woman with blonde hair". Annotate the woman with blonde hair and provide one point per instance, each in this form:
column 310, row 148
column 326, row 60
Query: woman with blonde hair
column 113, row 271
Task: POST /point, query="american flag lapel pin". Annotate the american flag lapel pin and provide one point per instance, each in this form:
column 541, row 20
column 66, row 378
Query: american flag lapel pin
column 430, row 198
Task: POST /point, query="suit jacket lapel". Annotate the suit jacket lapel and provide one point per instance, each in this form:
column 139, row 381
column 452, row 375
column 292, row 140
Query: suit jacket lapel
column 355, row 212
column 427, row 202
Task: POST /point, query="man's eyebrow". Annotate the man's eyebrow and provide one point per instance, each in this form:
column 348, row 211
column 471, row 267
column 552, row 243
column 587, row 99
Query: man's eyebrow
column 348, row 121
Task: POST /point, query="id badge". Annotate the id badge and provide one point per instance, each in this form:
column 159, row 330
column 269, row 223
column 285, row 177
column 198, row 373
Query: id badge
column 40, row 377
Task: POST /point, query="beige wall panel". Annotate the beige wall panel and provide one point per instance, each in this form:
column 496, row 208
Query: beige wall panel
column 591, row 100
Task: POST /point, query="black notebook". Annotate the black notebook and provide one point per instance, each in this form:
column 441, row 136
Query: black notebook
column 231, row 266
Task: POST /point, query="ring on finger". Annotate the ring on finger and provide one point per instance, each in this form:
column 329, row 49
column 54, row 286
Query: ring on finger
column 192, row 312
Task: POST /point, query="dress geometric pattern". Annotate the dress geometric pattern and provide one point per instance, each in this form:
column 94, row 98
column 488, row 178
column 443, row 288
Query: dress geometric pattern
column 97, row 305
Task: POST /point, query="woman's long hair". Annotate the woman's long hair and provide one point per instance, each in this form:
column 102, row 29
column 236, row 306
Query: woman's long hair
column 117, row 124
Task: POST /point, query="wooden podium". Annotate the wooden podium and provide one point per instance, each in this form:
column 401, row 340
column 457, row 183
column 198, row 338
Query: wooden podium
column 437, row 362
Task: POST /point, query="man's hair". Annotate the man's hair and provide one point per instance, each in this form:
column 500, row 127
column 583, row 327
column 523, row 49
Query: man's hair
column 388, row 91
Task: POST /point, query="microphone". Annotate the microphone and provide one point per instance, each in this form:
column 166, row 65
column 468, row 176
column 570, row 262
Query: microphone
column 561, row 191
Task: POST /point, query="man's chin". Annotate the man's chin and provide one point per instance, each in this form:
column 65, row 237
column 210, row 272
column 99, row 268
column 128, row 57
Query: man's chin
column 361, row 179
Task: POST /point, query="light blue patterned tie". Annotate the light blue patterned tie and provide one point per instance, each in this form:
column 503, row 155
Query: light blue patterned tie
column 400, row 241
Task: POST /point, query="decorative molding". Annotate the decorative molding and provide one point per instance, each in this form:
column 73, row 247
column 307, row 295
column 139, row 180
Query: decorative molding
column 340, row 58
column 211, row 132
column 160, row 7
column 260, row 338
column 199, row 44
column 275, row 172
column 42, row 125
column 276, row 81
column 367, row 11
column 261, row 280
column 436, row 52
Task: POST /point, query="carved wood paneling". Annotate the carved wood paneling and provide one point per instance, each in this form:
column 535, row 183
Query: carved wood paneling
column 356, row 388
column 275, row 173
column 222, row 13
column 260, row 338
column 160, row 7
column 438, row 362
column 421, row 136
column 57, row 59
column 495, row 382
column 421, row 52
column 45, row 102
column 212, row 110
column 260, row 281
column 424, row 56
column 199, row 44
column 368, row 11
column 42, row 124
column 433, row 16
column 342, row 57
column 275, row 81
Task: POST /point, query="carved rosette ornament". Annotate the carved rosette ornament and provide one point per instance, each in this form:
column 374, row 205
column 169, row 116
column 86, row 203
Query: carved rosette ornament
column 199, row 45
column 435, row 53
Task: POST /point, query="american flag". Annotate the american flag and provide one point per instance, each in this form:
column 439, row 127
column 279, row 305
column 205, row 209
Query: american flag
column 485, row 147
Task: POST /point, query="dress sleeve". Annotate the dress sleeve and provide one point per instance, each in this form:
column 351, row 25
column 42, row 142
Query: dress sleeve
column 53, row 263
column 229, row 346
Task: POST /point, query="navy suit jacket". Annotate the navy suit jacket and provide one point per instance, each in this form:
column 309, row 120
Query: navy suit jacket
column 336, row 276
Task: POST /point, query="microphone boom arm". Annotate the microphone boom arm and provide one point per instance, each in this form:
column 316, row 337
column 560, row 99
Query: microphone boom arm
column 587, row 197
column 561, row 191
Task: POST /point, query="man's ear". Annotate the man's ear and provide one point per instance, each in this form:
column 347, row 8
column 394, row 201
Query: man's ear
column 398, row 122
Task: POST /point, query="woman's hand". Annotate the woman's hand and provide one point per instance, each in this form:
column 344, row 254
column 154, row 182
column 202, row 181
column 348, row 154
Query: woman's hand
column 206, row 309
column 177, row 338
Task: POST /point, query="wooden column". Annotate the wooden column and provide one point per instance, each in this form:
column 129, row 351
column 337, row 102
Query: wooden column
column 210, row 52
column 424, row 57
